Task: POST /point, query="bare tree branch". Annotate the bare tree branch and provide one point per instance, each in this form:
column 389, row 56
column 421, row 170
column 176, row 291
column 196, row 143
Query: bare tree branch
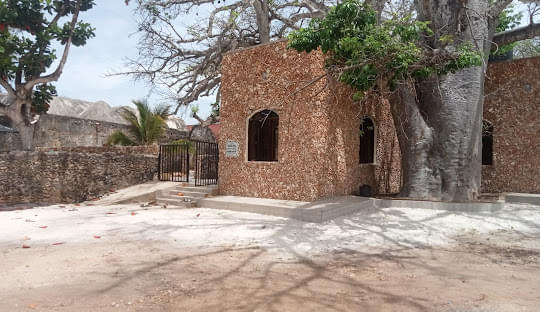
column 186, row 59
column 7, row 86
column 497, row 7
column 58, row 72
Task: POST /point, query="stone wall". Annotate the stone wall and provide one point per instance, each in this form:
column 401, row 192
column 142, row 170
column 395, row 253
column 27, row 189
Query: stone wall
column 9, row 141
column 61, row 131
column 200, row 133
column 265, row 77
column 74, row 175
column 319, row 128
column 512, row 105
column 384, row 175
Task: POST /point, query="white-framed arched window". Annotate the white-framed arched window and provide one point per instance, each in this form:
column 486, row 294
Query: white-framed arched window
column 487, row 143
column 367, row 141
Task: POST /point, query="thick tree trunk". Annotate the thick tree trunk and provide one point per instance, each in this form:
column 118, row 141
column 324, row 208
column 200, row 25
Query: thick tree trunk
column 439, row 119
column 19, row 114
column 421, row 176
column 262, row 13
column 27, row 136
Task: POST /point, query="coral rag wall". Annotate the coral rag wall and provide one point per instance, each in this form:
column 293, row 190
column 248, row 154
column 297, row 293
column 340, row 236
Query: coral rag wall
column 9, row 140
column 72, row 175
column 273, row 77
column 512, row 105
column 319, row 128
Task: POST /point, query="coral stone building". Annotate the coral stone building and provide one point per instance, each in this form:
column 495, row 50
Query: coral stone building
column 289, row 133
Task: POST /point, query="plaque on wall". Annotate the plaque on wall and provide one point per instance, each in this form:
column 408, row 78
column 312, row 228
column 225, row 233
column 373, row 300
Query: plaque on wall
column 232, row 149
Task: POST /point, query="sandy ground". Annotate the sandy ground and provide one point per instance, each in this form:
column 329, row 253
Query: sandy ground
column 130, row 258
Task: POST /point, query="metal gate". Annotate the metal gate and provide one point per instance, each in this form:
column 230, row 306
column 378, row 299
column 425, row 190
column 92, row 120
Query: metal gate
column 174, row 162
column 206, row 163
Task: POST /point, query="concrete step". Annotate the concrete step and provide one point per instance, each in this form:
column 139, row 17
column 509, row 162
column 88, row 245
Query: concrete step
column 185, row 193
column 181, row 198
column 211, row 189
column 177, row 202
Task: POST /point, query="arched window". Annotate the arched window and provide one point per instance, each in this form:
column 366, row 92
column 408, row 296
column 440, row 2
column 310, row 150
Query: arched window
column 487, row 143
column 263, row 136
column 367, row 141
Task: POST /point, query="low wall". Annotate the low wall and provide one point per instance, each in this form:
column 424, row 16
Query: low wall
column 142, row 149
column 72, row 176
column 10, row 141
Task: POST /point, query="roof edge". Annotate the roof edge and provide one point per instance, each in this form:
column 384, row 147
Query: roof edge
column 254, row 47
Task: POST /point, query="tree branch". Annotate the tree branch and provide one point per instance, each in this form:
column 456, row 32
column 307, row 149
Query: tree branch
column 498, row 7
column 517, row 34
column 8, row 87
column 56, row 74
column 198, row 118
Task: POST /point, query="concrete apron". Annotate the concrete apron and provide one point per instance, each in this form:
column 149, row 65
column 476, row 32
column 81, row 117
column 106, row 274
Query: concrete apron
column 328, row 209
column 522, row 198
column 317, row 211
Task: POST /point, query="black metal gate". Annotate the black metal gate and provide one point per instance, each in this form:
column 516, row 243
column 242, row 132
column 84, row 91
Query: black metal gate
column 206, row 163
column 174, row 162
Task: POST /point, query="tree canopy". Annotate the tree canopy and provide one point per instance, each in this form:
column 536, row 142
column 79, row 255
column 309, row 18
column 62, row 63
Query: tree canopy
column 27, row 31
column 364, row 53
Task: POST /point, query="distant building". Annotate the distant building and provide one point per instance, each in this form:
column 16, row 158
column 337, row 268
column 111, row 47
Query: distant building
column 72, row 122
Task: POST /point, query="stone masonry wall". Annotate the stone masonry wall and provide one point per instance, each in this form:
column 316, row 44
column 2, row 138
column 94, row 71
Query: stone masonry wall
column 319, row 128
column 512, row 105
column 71, row 176
column 267, row 77
column 384, row 175
column 10, row 141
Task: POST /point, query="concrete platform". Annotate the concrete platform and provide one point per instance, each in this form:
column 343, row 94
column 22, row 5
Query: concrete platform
column 523, row 198
column 328, row 209
column 144, row 192
column 448, row 206
column 318, row 211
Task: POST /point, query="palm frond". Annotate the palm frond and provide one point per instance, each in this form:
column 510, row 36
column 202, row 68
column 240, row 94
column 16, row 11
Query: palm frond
column 147, row 125
column 163, row 111
column 119, row 138
column 133, row 120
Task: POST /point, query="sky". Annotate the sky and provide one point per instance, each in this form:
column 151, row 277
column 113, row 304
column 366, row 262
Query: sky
column 84, row 75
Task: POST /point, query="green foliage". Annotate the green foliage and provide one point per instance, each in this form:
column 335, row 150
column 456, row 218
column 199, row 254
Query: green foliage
column 508, row 19
column 41, row 97
column 119, row 138
column 28, row 29
column 215, row 109
column 361, row 53
column 194, row 109
column 189, row 144
column 146, row 125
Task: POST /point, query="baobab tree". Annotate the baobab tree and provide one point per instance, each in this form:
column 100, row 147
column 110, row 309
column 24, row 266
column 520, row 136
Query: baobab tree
column 27, row 30
column 433, row 70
